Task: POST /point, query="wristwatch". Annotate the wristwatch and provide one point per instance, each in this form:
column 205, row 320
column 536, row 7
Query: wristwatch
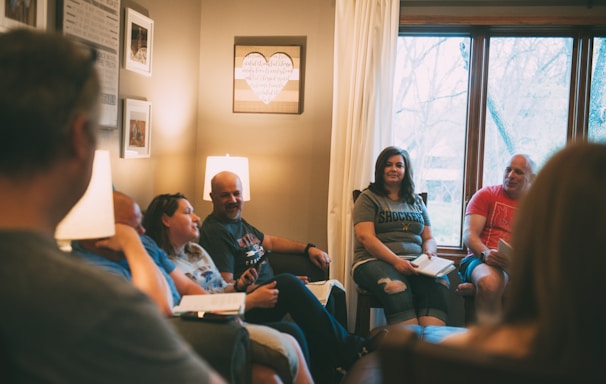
column 483, row 255
column 309, row 245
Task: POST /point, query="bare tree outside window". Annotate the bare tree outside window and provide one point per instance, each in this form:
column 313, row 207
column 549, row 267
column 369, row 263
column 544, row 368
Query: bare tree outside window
column 527, row 100
column 528, row 88
column 430, row 106
column 597, row 112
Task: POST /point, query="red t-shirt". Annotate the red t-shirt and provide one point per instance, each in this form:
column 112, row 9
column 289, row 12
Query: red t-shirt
column 493, row 203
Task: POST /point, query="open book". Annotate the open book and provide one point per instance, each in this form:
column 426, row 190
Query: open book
column 504, row 247
column 321, row 289
column 436, row 266
column 217, row 303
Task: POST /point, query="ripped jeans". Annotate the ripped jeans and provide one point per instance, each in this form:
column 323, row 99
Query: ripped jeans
column 404, row 297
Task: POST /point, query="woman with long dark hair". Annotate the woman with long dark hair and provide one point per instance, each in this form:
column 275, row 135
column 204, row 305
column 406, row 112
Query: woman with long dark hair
column 392, row 227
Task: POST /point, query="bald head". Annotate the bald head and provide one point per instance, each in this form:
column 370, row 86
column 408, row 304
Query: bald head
column 127, row 211
column 518, row 176
column 224, row 177
column 226, row 195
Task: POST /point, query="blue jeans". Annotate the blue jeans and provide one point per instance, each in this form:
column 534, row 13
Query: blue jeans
column 420, row 296
column 330, row 344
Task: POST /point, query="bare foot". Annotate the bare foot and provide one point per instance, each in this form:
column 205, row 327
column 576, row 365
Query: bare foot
column 466, row 289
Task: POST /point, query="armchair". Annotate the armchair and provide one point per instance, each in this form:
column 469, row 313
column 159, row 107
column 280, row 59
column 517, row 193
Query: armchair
column 414, row 355
column 403, row 355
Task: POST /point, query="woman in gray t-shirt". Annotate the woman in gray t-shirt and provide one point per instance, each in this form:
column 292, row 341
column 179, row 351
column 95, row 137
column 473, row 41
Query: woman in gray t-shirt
column 391, row 228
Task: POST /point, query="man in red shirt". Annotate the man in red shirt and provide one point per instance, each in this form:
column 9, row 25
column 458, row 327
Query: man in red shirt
column 488, row 218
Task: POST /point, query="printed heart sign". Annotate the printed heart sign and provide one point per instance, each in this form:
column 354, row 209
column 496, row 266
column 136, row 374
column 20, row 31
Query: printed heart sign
column 267, row 78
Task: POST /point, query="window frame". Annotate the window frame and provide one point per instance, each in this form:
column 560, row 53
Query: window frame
column 480, row 30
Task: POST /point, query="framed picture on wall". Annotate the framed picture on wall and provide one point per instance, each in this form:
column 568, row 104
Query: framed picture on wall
column 267, row 79
column 136, row 138
column 138, row 42
column 19, row 13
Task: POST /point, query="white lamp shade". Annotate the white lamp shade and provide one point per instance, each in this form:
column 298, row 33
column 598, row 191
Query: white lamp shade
column 237, row 165
column 93, row 215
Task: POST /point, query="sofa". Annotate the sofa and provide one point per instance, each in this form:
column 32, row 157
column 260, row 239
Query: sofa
column 225, row 346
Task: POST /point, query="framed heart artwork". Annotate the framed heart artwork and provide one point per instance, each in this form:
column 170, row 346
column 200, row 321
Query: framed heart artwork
column 267, row 79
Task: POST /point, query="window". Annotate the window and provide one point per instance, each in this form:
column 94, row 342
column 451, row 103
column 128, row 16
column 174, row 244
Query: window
column 431, row 94
column 597, row 103
column 526, row 101
column 465, row 100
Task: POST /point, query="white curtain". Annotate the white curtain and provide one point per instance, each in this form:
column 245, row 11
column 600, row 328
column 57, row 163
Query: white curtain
column 365, row 46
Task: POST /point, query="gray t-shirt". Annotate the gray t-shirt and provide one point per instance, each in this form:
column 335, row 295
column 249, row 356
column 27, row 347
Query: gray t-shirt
column 65, row 321
column 398, row 224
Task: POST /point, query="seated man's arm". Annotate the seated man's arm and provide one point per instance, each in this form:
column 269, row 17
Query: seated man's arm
column 145, row 273
column 281, row 244
column 472, row 229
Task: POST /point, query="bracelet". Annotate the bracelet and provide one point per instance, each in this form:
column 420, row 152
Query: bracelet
column 309, row 245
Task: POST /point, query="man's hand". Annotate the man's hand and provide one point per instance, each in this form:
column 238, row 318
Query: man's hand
column 265, row 296
column 124, row 234
column 304, row 279
column 496, row 259
column 319, row 258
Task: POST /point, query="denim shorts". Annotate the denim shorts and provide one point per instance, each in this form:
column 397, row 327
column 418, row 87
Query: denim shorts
column 467, row 266
column 423, row 296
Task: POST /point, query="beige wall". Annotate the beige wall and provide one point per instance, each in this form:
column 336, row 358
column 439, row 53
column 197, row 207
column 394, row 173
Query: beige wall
column 173, row 92
column 288, row 154
column 191, row 94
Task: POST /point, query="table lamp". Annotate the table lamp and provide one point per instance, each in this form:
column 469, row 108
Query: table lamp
column 237, row 165
column 93, row 215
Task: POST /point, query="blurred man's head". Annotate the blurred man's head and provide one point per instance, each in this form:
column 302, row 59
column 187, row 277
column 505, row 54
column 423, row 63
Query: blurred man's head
column 49, row 94
column 128, row 212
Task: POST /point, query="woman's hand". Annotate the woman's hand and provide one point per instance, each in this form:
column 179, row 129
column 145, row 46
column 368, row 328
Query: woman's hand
column 405, row 267
column 429, row 253
column 246, row 279
column 265, row 296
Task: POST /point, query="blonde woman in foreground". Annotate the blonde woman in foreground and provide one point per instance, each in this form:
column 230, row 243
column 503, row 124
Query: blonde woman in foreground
column 554, row 308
